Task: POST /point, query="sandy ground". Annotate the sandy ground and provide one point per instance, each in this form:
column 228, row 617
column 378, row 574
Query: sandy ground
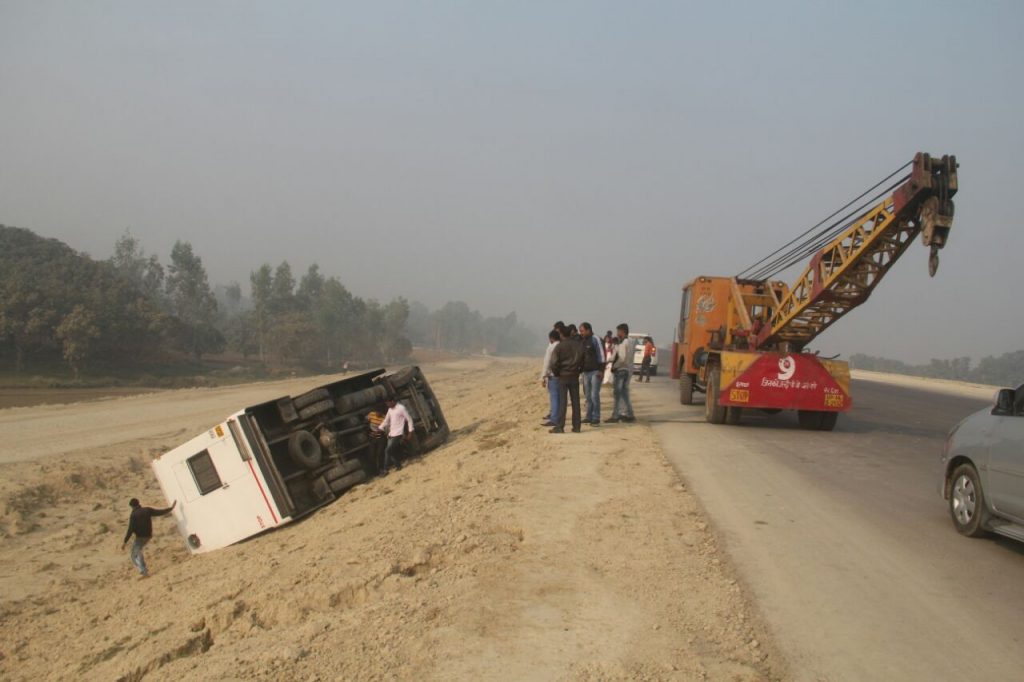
column 508, row 553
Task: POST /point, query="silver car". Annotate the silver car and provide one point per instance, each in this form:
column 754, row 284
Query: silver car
column 983, row 469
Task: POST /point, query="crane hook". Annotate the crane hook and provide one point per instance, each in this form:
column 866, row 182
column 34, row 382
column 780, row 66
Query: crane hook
column 933, row 261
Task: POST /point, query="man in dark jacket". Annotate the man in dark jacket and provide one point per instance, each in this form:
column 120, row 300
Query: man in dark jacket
column 566, row 362
column 593, row 362
column 140, row 524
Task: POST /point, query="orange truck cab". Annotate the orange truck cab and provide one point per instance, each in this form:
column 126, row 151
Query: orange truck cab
column 721, row 323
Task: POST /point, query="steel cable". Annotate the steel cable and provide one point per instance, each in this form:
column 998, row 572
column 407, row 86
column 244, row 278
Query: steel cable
column 821, row 239
column 796, row 246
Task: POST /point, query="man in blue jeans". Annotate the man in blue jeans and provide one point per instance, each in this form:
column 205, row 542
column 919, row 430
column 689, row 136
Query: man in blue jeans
column 550, row 381
column 398, row 427
column 140, row 524
column 622, row 366
column 593, row 361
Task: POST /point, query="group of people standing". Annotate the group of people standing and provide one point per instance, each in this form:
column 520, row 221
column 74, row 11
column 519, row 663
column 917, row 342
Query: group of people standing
column 574, row 353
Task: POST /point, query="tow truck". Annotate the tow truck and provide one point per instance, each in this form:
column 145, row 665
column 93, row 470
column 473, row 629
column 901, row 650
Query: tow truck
column 743, row 340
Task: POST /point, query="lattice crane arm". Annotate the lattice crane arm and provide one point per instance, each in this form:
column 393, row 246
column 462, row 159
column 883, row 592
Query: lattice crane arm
column 843, row 274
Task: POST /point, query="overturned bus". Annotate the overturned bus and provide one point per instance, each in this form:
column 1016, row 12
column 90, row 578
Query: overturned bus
column 272, row 463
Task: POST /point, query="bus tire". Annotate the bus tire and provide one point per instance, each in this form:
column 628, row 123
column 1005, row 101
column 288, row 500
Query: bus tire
column 315, row 409
column 311, row 397
column 304, row 449
column 340, row 485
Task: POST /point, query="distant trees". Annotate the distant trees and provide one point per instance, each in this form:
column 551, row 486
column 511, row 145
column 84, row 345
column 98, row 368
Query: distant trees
column 131, row 262
column 319, row 322
column 55, row 302
column 60, row 305
column 192, row 303
column 456, row 327
column 1004, row 370
column 77, row 333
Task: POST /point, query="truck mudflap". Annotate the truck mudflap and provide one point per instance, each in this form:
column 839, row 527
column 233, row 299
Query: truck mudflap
column 794, row 381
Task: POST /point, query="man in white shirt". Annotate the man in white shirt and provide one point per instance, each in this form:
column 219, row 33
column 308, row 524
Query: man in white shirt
column 548, row 380
column 622, row 367
column 398, row 426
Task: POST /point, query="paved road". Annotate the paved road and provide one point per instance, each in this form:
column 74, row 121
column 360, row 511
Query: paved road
column 844, row 541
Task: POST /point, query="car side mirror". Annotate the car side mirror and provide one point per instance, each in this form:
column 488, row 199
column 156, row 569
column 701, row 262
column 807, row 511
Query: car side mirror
column 1004, row 402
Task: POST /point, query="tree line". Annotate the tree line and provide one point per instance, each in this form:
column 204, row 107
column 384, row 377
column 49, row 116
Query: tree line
column 1003, row 370
column 131, row 310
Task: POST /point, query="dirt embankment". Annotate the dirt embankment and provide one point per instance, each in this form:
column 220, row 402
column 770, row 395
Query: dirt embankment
column 507, row 554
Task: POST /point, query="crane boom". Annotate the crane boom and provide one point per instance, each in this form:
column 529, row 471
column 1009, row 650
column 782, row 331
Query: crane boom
column 843, row 274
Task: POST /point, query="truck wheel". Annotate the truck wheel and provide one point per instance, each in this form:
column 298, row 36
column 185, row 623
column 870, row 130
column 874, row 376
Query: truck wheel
column 685, row 388
column 828, row 421
column 713, row 412
column 967, row 501
column 315, row 409
column 810, row 420
column 304, row 449
column 732, row 415
column 311, row 397
column 340, row 485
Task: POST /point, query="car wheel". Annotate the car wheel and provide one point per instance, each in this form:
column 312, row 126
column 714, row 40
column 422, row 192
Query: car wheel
column 967, row 501
column 828, row 421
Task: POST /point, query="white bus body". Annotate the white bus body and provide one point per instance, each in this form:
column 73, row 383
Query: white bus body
column 263, row 466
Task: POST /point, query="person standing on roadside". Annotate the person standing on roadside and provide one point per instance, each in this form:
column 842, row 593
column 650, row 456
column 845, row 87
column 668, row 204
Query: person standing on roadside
column 645, row 364
column 398, row 426
column 140, row 524
column 593, row 361
column 622, row 367
column 550, row 381
column 566, row 359
column 609, row 350
column 377, row 442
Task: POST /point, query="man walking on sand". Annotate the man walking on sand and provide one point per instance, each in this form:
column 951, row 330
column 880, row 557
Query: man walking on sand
column 566, row 359
column 140, row 524
column 398, row 426
column 593, row 361
column 550, row 381
column 622, row 367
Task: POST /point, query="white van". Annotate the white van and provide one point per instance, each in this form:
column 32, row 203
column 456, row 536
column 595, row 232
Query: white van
column 272, row 463
column 638, row 354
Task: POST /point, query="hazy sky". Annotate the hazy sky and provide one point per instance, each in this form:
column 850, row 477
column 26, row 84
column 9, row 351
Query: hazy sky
column 575, row 160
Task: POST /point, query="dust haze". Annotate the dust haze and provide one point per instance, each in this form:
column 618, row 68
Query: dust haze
column 578, row 161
